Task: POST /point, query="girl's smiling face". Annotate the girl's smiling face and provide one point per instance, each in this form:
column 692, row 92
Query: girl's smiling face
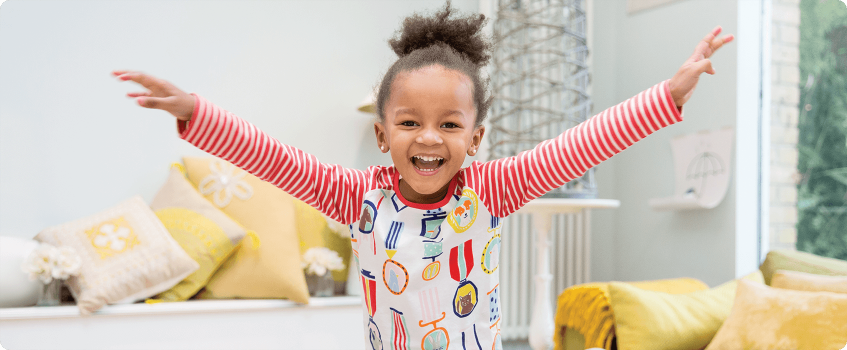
column 429, row 127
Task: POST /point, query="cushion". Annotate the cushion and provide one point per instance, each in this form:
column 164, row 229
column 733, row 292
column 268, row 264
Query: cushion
column 203, row 231
column 772, row 318
column 270, row 268
column 657, row 320
column 802, row 262
column 316, row 230
column 809, row 282
column 585, row 308
column 127, row 255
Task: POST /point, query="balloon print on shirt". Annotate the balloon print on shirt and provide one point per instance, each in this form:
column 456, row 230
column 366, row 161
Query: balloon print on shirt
column 393, row 272
column 461, row 264
column 437, row 338
column 462, row 217
column 369, row 289
column 399, row 331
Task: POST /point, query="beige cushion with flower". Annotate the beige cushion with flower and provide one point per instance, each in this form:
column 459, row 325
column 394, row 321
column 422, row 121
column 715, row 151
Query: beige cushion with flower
column 127, row 255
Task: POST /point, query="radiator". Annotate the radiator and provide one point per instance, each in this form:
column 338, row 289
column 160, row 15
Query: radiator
column 569, row 265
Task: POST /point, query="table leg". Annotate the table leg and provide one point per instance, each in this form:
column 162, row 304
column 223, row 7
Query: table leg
column 541, row 326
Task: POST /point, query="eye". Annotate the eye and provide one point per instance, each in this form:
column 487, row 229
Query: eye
column 408, row 123
column 450, row 125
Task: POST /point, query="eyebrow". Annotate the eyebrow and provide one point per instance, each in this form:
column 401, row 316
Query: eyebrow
column 412, row 111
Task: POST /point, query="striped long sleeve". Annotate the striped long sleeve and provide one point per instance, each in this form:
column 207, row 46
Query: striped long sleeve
column 332, row 189
column 509, row 183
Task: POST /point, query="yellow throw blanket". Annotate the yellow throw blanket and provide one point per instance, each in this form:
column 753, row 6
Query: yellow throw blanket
column 586, row 308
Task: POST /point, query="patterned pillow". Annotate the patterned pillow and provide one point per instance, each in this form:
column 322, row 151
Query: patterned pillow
column 203, row 231
column 268, row 267
column 316, row 230
column 127, row 255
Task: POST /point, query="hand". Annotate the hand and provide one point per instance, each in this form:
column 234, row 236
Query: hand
column 162, row 95
column 685, row 80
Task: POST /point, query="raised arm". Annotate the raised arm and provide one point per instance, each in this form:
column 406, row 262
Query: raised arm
column 507, row 184
column 332, row 189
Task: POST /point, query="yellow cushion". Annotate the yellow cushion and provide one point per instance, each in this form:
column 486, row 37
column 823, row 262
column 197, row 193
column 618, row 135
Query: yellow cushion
column 801, row 262
column 657, row 320
column 585, row 308
column 127, row 255
column 268, row 268
column 809, row 282
column 203, row 231
column 314, row 230
column 776, row 319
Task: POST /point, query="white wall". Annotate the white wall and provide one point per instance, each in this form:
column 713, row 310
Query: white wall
column 71, row 144
column 631, row 53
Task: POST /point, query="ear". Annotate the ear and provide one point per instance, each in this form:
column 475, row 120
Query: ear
column 381, row 137
column 476, row 140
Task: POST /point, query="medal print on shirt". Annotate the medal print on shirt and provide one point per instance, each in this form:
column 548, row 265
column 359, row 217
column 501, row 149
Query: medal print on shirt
column 366, row 224
column 432, row 250
column 399, row 331
column 462, row 217
column 494, row 316
column 393, row 272
column 369, row 289
column 431, row 223
column 354, row 243
column 461, row 264
column 437, row 338
column 491, row 255
column 470, row 340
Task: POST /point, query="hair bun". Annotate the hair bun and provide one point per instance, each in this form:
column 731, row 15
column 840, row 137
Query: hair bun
column 463, row 34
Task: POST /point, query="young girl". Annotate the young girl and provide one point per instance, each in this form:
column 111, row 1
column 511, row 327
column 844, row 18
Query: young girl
column 425, row 231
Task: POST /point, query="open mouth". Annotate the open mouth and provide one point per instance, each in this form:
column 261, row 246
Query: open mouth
column 427, row 164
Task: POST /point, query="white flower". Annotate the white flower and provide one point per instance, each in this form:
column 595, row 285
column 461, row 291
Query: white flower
column 47, row 262
column 225, row 181
column 68, row 263
column 337, row 227
column 318, row 260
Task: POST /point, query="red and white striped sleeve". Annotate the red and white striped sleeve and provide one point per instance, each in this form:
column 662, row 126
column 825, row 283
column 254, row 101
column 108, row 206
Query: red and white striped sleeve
column 509, row 183
column 332, row 189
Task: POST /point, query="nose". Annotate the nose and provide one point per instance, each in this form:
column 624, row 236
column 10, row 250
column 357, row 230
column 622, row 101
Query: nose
column 429, row 137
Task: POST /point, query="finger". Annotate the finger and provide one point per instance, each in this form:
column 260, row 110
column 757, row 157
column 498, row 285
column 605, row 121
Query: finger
column 138, row 94
column 153, row 102
column 704, row 65
column 119, row 72
column 141, row 78
column 711, row 36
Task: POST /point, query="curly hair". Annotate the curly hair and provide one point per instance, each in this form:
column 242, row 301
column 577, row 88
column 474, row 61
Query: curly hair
column 453, row 43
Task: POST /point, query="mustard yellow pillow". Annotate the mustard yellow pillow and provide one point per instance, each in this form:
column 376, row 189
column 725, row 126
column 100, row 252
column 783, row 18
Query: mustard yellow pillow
column 765, row 318
column 127, row 255
column 203, row 231
column 791, row 260
column 269, row 267
column 314, row 230
column 656, row 320
column 809, row 282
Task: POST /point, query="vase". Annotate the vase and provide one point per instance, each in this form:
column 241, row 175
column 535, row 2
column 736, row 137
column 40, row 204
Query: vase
column 50, row 293
column 320, row 286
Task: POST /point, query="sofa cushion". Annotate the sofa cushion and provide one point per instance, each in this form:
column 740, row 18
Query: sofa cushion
column 268, row 267
column 802, row 262
column 771, row 318
column 809, row 282
column 656, row 320
column 208, row 235
column 127, row 255
column 316, row 230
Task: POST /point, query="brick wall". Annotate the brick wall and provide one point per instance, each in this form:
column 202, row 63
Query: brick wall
column 785, row 93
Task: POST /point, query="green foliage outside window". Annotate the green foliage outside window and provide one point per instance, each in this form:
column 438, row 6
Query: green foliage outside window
column 822, row 194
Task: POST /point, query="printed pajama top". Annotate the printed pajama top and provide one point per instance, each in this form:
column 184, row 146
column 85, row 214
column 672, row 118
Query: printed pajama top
column 429, row 272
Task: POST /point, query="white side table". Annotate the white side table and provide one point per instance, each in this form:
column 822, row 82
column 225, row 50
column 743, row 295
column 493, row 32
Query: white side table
column 542, row 210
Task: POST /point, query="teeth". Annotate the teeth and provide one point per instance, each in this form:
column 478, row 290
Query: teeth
column 428, row 159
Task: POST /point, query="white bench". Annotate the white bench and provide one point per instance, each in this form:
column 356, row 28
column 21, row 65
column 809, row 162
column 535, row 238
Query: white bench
column 326, row 323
